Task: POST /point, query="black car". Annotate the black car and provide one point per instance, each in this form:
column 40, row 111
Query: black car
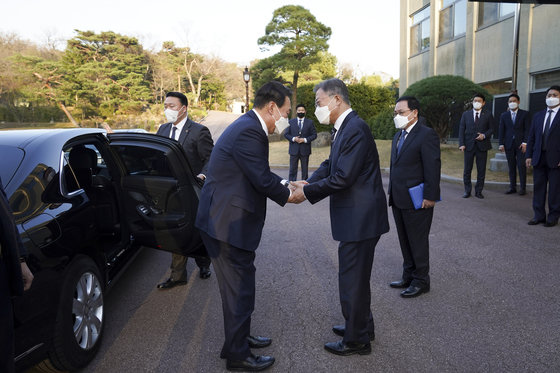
column 84, row 203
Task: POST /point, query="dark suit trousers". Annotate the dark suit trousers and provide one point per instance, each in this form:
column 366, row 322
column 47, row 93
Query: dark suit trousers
column 179, row 266
column 413, row 228
column 235, row 272
column 355, row 260
column 544, row 177
column 480, row 169
column 294, row 166
column 6, row 323
column 516, row 161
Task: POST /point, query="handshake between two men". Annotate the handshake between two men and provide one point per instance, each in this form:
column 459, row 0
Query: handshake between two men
column 296, row 191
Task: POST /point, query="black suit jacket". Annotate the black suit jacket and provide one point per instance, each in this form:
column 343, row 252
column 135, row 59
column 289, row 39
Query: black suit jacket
column 534, row 144
column 232, row 206
column 512, row 135
column 417, row 162
column 308, row 132
column 197, row 142
column 12, row 247
column 468, row 132
column 352, row 178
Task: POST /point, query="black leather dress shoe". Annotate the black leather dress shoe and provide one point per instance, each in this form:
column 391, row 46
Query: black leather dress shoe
column 258, row 342
column 535, row 222
column 205, row 272
column 345, row 349
column 414, row 291
column 251, row 364
column 170, row 283
column 341, row 329
column 479, row 195
column 551, row 223
column 522, row 192
column 511, row 191
column 466, row 195
column 401, row 284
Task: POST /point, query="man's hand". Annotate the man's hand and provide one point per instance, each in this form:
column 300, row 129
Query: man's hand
column 523, row 148
column 201, row 177
column 462, row 148
column 528, row 162
column 299, row 140
column 26, row 275
column 501, row 148
column 297, row 195
column 427, row 204
column 480, row 137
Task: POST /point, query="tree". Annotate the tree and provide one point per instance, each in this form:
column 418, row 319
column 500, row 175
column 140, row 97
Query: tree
column 443, row 98
column 301, row 36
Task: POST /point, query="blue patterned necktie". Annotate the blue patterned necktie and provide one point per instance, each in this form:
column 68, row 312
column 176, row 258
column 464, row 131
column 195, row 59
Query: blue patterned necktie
column 513, row 117
column 546, row 130
column 173, row 132
column 401, row 141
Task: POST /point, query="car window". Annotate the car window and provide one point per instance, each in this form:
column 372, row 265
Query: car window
column 140, row 160
column 81, row 163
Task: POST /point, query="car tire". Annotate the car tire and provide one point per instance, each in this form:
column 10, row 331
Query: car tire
column 79, row 324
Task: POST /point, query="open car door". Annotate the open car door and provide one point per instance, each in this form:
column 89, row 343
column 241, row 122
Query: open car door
column 159, row 193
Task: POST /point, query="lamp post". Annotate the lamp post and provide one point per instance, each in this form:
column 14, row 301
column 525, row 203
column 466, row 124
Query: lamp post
column 246, row 77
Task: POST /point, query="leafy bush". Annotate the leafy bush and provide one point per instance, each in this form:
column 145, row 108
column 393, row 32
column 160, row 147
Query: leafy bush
column 382, row 125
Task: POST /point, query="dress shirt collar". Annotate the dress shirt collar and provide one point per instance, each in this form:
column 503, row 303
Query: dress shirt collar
column 340, row 119
column 411, row 127
column 179, row 126
column 477, row 111
column 263, row 124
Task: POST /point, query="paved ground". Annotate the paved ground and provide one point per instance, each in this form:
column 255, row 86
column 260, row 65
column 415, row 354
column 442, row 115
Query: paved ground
column 494, row 304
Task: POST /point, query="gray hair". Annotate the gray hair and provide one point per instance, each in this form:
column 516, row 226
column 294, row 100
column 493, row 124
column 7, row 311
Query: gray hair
column 332, row 87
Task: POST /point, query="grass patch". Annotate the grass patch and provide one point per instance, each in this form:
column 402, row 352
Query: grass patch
column 451, row 159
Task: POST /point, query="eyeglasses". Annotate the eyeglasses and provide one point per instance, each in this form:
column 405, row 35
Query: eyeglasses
column 395, row 113
column 317, row 102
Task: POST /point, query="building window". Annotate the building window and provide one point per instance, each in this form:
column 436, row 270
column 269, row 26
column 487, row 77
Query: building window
column 452, row 19
column 545, row 80
column 420, row 31
column 489, row 13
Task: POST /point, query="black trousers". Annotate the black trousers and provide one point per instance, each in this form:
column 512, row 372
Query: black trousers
column 294, row 166
column 546, row 178
column 516, row 162
column 413, row 228
column 235, row 272
column 480, row 156
column 6, row 323
column 355, row 260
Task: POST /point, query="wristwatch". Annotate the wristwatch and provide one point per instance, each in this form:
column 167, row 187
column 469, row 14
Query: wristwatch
column 286, row 183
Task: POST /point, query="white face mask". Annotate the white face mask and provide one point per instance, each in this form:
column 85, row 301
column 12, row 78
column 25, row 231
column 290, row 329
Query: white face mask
column 477, row 105
column 171, row 115
column 400, row 121
column 323, row 113
column 512, row 105
column 281, row 124
column 552, row 101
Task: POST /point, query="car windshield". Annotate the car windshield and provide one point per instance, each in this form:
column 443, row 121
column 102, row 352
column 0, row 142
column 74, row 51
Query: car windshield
column 11, row 159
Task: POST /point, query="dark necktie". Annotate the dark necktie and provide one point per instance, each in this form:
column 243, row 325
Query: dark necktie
column 333, row 133
column 476, row 120
column 300, row 125
column 546, row 130
column 401, row 141
column 173, row 132
column 513, row 117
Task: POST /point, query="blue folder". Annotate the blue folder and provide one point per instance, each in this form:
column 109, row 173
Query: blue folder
column 417, row 195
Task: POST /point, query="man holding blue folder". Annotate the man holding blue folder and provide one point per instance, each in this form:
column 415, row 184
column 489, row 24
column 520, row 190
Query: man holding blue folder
column 413, row 192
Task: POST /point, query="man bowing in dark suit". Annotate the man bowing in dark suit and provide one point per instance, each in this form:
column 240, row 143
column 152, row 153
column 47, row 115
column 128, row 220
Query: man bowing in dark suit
column 415, row 159
column 15, row 277
column 513, row 133
column 475, row 130
column 300, row 134
column 352, row 178
column 197, row 144
column 231, row 215
column 543, row 153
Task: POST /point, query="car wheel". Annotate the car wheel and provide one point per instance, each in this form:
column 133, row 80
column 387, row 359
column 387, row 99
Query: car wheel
column 79, row 323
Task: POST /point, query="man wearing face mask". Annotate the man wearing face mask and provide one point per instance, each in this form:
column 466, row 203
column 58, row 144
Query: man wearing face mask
column 300, row 134
column 415, row 159
column 197, row 144
column 231, row 215
column 475, row 130
column 543, row 153
column 358, row 207
column 514, row 131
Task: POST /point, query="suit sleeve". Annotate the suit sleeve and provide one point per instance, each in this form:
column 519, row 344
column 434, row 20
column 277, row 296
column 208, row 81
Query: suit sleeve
column 502, row 130
column 526, row 127
column 348, row 166
column 250, row 153
column 462, row 127
column 531, row 140
column 321, row 172
column 431, row 162
column 490, row 129
column 288, row 134
column 205, row 144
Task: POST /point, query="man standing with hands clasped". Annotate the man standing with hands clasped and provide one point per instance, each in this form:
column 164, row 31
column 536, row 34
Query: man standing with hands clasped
column 197, row 144
column 352, row 178
column 415, row 160
column 475, row 130
column 300, row 134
